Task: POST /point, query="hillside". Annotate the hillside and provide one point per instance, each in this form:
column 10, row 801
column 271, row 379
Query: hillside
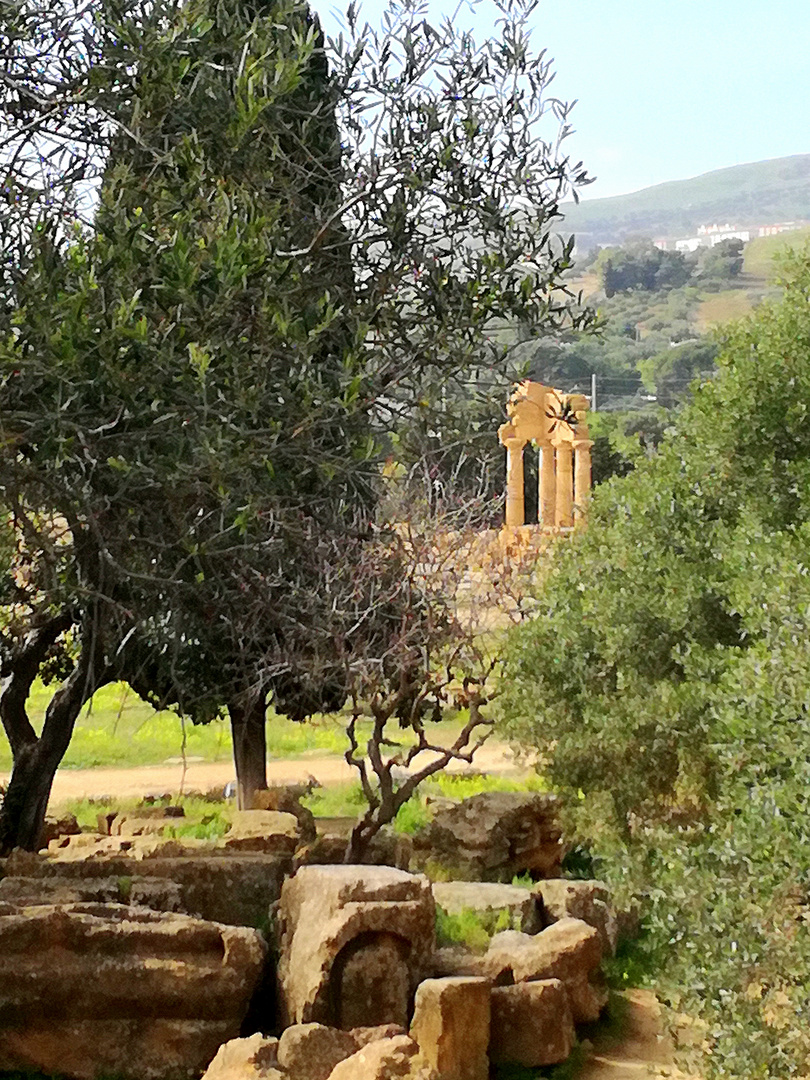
column 763, row 192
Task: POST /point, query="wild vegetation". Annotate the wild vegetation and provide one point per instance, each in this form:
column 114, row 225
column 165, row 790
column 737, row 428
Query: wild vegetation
column 204, row 374
column 665, row 678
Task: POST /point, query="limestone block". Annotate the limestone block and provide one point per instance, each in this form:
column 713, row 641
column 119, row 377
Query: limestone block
column 215, row 885
column 311, row 1051
column 568, row 950
column 386, row 1059
column 451, row 1026
column 455, row 960
column 268, row 831
column 586, row 900
column 495, row 835
column 364, row 1035
column 489, row 897
column 371, row 982
column 287, row 799
column 66, row 825
column 156, row 893
column 92, row 989
column 134, row 825
column 531, row 1024
column 335, row 925
column 255, row 1058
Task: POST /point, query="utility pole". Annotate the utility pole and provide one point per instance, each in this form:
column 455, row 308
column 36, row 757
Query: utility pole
column 593, row 392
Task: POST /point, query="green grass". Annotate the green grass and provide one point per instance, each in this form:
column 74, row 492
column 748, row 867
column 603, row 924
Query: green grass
column 118, row 730
column 337, row 800
column 346, row 800
column 758, row 255
column 473, row 929
column 204, row 820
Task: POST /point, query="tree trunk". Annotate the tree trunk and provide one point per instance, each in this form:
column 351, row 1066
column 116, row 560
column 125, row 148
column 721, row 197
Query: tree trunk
column 248, row 715
column 36, row 759
column 22, row 814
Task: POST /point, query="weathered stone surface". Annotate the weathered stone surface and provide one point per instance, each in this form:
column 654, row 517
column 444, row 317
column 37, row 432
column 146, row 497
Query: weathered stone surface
column 255, row 1058
column 311, row 1051
column 451, row 1026
column 267, row 831
column 287, row 800
column 456, row 960
column 386, row 1059
column 364, row 1035
column 531, row 1024
column 91, row 989
column 66, row 825
column 220, row 886
column 95, row 846
column 387, row 848
column 490, row 897
column 561, row 898
column 327, row 916
column 156, row 893
column 495, row 835
column 568, row 950
column 371, row 981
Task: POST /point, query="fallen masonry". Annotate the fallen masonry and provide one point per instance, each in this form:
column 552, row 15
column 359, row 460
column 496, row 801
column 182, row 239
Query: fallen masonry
column 133, row 955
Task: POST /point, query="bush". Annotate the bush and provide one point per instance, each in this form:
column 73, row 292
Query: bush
column 666, row 679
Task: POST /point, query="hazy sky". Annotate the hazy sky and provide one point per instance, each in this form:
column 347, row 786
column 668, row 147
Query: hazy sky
column 668, row 89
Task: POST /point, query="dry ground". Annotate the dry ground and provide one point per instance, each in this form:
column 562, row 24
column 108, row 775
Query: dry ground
column 204, row 775
column 641, row 1050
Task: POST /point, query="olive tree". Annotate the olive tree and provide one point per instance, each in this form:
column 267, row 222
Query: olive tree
column 201, row 374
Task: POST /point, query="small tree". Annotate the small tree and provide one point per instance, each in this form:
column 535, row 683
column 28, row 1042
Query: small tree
column 199, row 385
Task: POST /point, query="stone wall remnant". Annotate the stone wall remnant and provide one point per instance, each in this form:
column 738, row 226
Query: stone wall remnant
column 568, row 950
column 561, row 898
column 451, row 1024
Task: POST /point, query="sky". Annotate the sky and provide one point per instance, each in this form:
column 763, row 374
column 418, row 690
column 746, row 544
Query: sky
column 666, row 89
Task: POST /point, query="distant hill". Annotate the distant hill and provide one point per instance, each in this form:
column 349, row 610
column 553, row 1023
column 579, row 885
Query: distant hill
column 761, row 193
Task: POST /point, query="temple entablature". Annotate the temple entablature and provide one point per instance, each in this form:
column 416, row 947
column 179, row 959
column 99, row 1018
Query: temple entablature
column 556, row 424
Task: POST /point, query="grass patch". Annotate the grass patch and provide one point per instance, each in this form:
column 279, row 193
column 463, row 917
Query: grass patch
column 337, row 800
column 458, row 786
column 203, row 820
column 759, row 253
column 473, row 929
column 347, row 800
column 723, row 306
column 118, row 730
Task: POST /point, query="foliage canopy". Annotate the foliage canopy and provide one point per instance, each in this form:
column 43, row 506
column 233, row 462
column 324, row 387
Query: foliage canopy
column 665, row 676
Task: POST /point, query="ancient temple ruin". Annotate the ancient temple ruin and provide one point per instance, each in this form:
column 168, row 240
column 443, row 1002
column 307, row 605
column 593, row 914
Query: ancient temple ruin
column 556, row 424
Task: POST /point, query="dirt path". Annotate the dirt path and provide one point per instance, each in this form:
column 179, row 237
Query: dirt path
column 641, row 1050
column 204, row 775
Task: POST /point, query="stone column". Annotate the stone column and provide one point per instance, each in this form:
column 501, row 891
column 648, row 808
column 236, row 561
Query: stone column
column 565, row 486
column 515, row 508
column 548, row 484
column 582, row 476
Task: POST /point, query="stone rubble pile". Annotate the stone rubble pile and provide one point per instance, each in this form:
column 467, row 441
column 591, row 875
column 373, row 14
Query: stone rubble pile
column 139, row 961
